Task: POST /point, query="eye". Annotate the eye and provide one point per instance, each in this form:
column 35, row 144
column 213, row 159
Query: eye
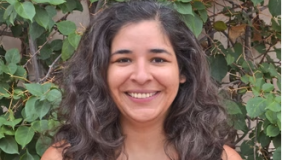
column 123, row 60
column 158, row 60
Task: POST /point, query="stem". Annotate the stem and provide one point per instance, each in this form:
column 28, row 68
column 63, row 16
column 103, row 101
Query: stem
column 32, row 47
column 50, row 69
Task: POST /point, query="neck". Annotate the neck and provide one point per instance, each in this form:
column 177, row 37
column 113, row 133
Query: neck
column 144, row 140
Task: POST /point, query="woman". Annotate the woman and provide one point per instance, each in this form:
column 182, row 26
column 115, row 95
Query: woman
column 139, row 88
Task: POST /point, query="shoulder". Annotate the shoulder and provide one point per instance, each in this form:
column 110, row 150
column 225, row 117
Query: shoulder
column 230, row 154
column 53, row 152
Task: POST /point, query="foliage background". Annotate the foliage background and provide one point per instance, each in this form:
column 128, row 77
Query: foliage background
column 243, row 50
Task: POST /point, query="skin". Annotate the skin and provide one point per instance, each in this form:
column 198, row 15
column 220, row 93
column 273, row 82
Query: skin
column 144, row 61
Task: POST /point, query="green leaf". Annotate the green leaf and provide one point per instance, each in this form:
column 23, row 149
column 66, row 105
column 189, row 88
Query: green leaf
column 42, row 144
column 51, row 11
column 40, row 126
column 229, row 59
column 42, row 17
column 11, row 68
column 3, row 90
column 278, row 53
column 21, row 72
column 219, row 26
column 24, row 135
column 256, row 106
column 46, row 87
column 29, row 109
column 263, row 139
column 272, row 131
column 34, row 88
column 11, row 1
column 271, row 116
column 13, row 122
column 274, row 106
column 218, row 67
column 267, row 87
column 7, row 130
column 54, row 2
column 8, row 12
column 232, row 107
column 13, row 56
column 74, row 40
column 256, row 2
column 92, row 1
column 277, row 141
column 27, row 156
column 279, row 83
column 194, row 23
column 42, row 108
column 245, row 79
column 277, row 154
column 274, row 7
column 183, row 8
column 204, row 15
column 246, row 148
column 35, row 30
column 56, row 44
column 66, row 27
column 25, row 9
column 69, row 6
column 9, row 145
column 45, row 52
column 260, row 47
column 54, row 96
column 198, row 5
column 185, row 1
column 17, row 30
column 67, row 50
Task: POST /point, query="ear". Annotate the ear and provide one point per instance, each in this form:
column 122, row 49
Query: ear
column 182, row 79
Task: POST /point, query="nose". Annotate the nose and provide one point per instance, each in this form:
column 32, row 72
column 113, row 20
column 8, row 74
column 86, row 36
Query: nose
column 141, row 73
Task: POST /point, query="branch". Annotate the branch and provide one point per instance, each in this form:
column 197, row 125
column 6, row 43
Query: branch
column 48, row 39
column 50, row 69
column 32, row 47
column 265, row 53
column 226, row 35
column 99, row 5
column 4, row 33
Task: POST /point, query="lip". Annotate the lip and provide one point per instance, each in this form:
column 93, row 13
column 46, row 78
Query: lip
column 142, row 100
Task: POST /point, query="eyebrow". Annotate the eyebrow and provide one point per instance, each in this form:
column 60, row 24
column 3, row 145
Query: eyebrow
column 154, row 51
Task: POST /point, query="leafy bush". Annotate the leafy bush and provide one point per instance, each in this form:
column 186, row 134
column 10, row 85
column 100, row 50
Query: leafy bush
column 29, row 95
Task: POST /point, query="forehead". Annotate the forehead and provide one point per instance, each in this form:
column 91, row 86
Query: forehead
column 143, row 32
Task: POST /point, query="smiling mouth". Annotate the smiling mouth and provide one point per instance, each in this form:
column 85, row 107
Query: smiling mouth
column 141, row 95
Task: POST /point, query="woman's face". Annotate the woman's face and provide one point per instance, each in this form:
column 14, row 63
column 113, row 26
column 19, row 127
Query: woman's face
column 143, row 74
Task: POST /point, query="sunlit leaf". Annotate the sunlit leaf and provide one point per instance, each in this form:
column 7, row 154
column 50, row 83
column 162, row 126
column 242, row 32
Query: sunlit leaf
column 66, row 27
column 13, row 56
column 54, row 2
column 256, row 2
column 25, row 9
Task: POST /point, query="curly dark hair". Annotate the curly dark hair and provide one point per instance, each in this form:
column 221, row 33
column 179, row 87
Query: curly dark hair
column 195, row 124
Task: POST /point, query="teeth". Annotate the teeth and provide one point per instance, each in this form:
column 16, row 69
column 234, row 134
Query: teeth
column 141, row 95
